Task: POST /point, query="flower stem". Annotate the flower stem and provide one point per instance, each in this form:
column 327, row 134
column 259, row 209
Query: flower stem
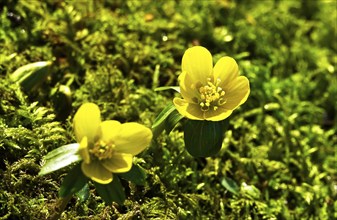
column 59, row 207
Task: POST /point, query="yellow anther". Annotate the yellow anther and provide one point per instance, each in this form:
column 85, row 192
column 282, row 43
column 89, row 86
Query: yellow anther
column 211, row 95
column 211, row 85
column 101, row 150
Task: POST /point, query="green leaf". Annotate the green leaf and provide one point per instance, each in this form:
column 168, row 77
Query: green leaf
column 230, row 185
column 30, row 76
column 83, row 194
column 112, row 192
column 60, row 157
column 172, row 120
column 203, row 138
column 159, row 123
column 73, row 182
column 137, row 175
column 250, row 191
column 175, row 88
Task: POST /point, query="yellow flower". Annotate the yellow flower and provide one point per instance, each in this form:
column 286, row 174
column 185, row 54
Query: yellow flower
column 209, row 93
column 107, row 147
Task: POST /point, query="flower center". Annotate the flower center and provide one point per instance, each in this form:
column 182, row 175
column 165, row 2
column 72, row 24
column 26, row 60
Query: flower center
column 211, row 95
column 102, row 150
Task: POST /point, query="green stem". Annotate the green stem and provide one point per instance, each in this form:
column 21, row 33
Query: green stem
column 59, row 207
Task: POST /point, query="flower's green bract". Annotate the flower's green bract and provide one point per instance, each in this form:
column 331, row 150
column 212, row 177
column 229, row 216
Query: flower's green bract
column 203, row 138
column 175, row 88
column 166, row 120
column 83, row 194
column 111, row 192
column 172, row 121
column 73, row 182
column 159, row 123
column 60, row 157
column 137, row 175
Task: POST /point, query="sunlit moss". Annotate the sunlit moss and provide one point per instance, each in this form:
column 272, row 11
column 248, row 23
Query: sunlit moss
column 279, row 150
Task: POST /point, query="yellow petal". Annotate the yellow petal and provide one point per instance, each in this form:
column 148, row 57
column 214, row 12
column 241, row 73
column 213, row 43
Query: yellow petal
column 109, row 130
column 218, row 115
column 237, row 92
column 83, row 150
column 118, row 163
column 133, row 138
column 226, row 69
column 86, row 122
column 188, row 110
column 187, row 87
column 96, row 172
column 197, row 62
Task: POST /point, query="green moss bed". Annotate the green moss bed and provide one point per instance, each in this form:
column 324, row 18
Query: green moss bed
column 278, row 158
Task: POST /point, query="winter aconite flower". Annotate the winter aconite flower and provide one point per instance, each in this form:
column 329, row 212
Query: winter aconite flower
column 209, row 93
column 107, row 147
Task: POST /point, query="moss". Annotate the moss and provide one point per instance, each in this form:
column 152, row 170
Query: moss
column 279, row 149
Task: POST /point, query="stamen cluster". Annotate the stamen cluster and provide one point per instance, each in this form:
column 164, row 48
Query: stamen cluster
column 211, row 95
column 102, row 150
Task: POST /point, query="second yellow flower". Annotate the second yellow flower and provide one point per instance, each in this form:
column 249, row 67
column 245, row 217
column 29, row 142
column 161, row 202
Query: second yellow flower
column 209, row 93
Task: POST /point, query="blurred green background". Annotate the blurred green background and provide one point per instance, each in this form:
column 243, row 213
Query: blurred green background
column 278, row 159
